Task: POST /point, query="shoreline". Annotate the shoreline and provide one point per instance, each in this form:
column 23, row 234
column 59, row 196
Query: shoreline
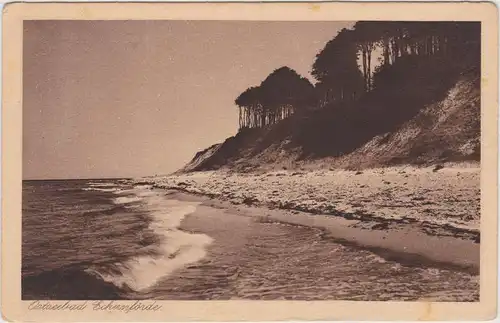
column 446, row 201
column 416, row 216
column 423, row 251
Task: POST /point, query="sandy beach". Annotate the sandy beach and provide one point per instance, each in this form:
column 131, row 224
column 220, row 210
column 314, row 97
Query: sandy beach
column 443, row 202
column 281, row 237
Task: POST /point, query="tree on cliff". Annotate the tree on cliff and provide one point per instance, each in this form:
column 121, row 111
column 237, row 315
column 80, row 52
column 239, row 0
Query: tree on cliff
column 285, row 92
column 367, row 38
column 336, row 66
column 418, row 48
column 249, row 105
column 336, row 70
column 282, row 93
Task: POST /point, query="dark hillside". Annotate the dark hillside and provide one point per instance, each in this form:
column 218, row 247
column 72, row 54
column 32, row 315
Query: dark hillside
column 340, row 129
column 430, row 129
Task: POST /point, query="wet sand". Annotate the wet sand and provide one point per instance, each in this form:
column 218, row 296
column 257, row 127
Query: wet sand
column 406, row 243
column 254, row 255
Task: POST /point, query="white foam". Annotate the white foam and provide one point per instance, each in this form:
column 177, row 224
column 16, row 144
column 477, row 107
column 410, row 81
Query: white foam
column 177, row 248
column 126, row 199
column 145, row 186
column 101, row 189
column 139, row 190
column 94, row 184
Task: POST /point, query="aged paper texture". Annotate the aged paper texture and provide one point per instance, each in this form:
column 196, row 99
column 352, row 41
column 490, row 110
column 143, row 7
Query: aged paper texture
column 249, row 161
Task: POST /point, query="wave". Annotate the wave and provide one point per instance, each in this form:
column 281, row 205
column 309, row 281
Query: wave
column 175, row 248
column 143, row 186
column 134, row 191
column 104, row 210
column 101, row 189
column 69, row 190
column 97, row 184
column 127, row 199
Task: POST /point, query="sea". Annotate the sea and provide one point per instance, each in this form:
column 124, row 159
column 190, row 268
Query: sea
column 101, row 239
column 116, row 239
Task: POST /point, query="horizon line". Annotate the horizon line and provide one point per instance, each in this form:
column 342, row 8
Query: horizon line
column 75, row 179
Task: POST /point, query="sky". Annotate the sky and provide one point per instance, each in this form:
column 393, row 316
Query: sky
column 106, row 99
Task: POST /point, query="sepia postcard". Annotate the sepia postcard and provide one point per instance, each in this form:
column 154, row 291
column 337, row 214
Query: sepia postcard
column 249, row 161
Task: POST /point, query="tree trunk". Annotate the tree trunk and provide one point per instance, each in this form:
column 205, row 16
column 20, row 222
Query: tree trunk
column 255, row 116
column 365, row 74
column 369, row 69
column 239, row 118
column 386, row 52
column 394, row 50
column 402, row 43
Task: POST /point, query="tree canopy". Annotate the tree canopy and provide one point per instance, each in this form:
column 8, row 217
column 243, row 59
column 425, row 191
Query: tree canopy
column 456, row 45
column 282, row 93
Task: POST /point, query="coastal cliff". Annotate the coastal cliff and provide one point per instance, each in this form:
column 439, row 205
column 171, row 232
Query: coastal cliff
column 446, row 128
